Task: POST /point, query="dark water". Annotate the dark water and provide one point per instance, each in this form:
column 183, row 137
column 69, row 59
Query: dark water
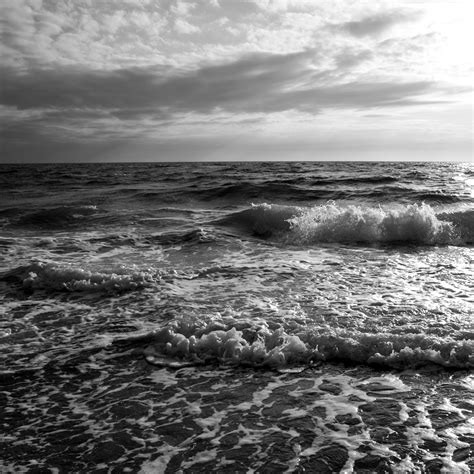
column 230, row 317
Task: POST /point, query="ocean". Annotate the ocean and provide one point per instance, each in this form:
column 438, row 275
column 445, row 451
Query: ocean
column 237, row 317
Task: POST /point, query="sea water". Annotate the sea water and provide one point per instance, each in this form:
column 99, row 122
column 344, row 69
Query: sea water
column 237, row 317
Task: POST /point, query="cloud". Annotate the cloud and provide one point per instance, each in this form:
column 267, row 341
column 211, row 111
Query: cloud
column 273, row 5
column 184, row 27
column 87, row 34
column 348, row 59
column 182, row 7
column 252, row 84
column 79, row 71
column 373, row 24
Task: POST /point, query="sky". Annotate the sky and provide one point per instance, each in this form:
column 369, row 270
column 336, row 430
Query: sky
column 179, row 80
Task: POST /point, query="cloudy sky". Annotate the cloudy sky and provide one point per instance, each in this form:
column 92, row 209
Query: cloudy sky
column 125, row 80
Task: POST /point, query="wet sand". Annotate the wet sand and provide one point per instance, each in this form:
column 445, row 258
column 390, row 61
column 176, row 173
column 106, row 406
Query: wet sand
column 117, row 413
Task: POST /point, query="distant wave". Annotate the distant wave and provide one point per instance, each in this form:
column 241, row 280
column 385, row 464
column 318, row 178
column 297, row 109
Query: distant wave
column 332, row 222
column 388, row 194
column 359, row 179
column 245, row 191
column 175, row 346
column 297, row 189
column 301, row 189
column 57, row 217
column 53, row 277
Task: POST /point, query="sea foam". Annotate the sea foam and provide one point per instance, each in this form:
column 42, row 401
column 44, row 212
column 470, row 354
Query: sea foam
column 53, row 277
column 333, row 223
column 281, row 347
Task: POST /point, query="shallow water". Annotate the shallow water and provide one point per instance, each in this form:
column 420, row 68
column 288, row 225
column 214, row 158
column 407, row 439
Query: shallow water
column 224, row 317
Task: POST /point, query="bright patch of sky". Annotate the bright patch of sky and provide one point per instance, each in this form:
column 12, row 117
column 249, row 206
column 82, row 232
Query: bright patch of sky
column 228, row 79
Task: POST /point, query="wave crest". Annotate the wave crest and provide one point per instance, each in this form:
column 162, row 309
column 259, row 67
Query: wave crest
column 47, row 276
column 335, row 223
column 332, row 223
column 263, row 347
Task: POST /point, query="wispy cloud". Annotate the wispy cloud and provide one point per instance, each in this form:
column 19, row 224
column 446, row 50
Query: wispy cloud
column 375, row 24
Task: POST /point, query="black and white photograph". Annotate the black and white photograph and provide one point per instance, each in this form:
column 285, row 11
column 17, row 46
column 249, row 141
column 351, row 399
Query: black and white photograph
column 236, row 236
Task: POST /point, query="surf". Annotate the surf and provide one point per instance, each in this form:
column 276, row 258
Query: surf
column 283, row 348
column 334, row 222
column 47, row 276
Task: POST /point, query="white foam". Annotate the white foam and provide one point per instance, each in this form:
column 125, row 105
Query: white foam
column 295, row 345
column 50, row 276
column 334, row 223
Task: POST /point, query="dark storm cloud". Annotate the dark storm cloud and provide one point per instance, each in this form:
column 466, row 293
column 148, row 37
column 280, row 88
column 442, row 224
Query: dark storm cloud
column 255, row 83
column 137, row 89
column 374, row 24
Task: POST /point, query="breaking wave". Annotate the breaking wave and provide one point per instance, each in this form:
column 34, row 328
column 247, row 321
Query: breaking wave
column 52, row 277
column 186, row 344
column 331, row 222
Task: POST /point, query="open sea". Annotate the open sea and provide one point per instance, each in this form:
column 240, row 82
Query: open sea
column 237, row 317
